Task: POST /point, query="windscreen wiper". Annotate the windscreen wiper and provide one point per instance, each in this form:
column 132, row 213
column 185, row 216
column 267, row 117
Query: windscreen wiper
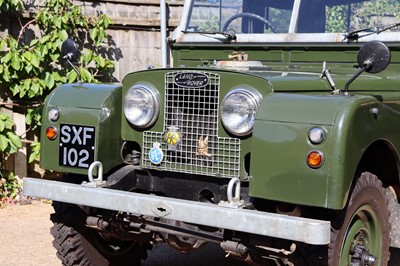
column 354, row 35
column 388, row 27
column 229, row 36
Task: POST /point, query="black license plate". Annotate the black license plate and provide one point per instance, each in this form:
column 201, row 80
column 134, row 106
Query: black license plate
column 76, row 145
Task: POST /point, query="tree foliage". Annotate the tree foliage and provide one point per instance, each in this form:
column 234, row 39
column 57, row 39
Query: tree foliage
column 369, row 14
column 30, row 63
column 11, row 5
column 31, row 68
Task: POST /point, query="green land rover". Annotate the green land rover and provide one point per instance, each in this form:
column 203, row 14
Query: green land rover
column 276, row 134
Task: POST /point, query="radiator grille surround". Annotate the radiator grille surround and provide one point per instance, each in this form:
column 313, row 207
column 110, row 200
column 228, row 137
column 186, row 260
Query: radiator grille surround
column 194, row 112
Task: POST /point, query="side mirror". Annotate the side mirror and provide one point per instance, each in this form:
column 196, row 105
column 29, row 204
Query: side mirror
column 373, row 57
column 70, row 53
column 69, row 50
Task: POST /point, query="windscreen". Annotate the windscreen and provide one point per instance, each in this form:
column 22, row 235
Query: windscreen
column 309, row 16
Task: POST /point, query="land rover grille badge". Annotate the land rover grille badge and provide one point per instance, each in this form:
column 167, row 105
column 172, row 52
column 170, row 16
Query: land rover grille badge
column 191, row 80
column 202, row 149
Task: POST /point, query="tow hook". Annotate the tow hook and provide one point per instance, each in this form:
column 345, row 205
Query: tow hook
column 95, row 182
column 361, row 256
column 234, row 200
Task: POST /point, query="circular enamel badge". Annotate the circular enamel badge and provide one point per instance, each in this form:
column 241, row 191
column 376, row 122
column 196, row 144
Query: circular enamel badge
column 156, row 155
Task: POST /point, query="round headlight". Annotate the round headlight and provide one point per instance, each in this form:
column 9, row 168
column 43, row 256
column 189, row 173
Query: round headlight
column 238, row 110
column 142, row 105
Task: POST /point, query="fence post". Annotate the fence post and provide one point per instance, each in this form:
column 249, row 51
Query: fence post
column 21, row 163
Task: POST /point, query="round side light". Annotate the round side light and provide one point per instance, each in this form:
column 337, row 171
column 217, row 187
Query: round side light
column 315, row 159
column 54, row 114
column 51, row 133
column 316, row 135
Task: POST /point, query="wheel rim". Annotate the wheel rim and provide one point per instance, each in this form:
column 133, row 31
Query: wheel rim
column 364, row 229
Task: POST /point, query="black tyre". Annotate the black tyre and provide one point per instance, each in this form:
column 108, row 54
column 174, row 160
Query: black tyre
column 78, row 245
column 365, row 224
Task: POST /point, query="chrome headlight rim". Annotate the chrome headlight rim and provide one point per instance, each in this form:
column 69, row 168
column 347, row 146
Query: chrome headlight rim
column 253, row 96
column 153, row 94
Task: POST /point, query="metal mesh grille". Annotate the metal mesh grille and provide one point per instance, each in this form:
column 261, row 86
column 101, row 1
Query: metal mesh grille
column 194, row 112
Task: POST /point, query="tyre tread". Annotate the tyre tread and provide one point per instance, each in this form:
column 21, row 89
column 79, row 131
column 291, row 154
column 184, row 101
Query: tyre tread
column 366, row 180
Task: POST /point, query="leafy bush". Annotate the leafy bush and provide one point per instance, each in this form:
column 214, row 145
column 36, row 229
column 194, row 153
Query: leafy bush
column 9, row 190
column 30, row 65
column 9, row 141
column 9, row 144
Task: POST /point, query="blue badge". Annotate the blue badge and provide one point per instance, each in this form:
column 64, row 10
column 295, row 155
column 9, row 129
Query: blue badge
column 156, row 155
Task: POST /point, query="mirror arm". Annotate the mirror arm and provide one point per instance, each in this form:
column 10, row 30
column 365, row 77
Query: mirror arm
column 327, row 75
column 366, row 65
column 67, row 57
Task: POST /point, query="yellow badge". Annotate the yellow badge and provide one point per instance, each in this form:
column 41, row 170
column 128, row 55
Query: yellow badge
column 172, row 137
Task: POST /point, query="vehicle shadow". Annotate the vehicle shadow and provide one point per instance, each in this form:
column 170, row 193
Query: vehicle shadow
column 394, row 257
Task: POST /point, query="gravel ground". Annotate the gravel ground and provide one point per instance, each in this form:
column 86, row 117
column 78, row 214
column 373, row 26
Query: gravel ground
column 25, row 238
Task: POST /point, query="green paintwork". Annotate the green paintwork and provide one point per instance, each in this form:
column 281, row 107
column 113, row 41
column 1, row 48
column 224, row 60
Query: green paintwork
column 302, row 100
column 303, row 54
column 82, row 95
column 280, row 144
column 296, row 98
column 229, row 80
column 90, row 105
column 292, row 53
column 301, row 74
column 295, row 61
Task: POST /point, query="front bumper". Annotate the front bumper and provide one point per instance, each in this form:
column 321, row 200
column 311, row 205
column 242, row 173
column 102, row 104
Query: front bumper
column 311, row 231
